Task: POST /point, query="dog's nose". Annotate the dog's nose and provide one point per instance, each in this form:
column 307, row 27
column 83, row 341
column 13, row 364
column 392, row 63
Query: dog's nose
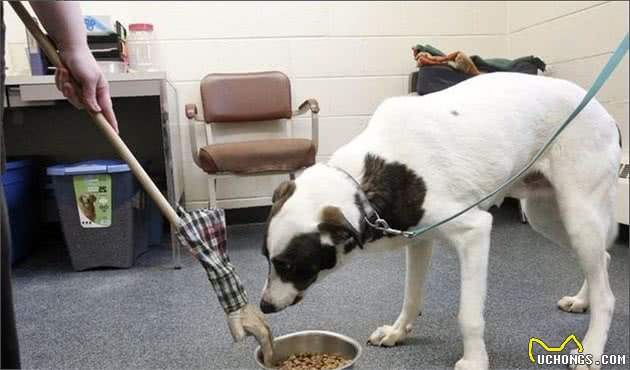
column 267, row 307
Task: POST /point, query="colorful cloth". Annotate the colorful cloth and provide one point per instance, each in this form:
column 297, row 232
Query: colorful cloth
column 203, row 232
column 457, row 60
column 427, row 49
column 528, row 64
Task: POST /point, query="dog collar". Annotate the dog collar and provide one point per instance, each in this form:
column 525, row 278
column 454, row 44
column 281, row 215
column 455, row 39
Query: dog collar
column 369, row 216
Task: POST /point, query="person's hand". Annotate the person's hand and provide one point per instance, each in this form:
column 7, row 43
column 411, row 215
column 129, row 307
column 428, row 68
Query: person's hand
column 95, row 90
column 250, row 321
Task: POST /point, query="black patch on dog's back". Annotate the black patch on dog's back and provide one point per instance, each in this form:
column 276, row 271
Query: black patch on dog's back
column 303, row 259
column 395, row 191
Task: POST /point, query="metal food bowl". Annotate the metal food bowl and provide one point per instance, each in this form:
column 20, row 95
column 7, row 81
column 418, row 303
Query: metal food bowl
column 317, row 341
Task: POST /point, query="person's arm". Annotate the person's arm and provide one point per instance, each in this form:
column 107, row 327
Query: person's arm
column 64, row 22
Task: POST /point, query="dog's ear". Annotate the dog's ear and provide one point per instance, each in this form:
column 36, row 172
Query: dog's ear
column 283, row 191
column 281, row 194
column 93, row 197
column 335, row 224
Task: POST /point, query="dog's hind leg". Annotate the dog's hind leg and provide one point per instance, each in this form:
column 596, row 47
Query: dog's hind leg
column 544, row 217
column 587, row 213
column 418, row 259
column 470, row 235
column 579, row 302
column 575, row 303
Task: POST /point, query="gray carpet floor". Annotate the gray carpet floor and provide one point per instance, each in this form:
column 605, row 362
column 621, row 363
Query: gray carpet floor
column 154, row 317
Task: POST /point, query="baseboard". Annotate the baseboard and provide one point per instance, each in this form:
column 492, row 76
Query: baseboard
column 252, row 215
column 623, row 197
column 239, row 211
column 231, row 203
column 623, row 234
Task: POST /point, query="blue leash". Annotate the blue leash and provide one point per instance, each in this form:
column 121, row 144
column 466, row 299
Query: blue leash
column 613, row 62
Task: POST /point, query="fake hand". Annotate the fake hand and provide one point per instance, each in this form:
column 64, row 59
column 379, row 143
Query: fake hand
column 250, row 321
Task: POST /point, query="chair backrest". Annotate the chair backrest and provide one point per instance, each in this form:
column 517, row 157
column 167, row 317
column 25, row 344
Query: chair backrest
column 243, row 97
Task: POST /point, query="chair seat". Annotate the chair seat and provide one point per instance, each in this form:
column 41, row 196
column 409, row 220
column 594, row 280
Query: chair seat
column 282, row 155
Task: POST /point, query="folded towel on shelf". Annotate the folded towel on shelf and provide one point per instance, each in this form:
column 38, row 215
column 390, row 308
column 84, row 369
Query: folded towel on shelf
column 522, row 64
column 456, row 60
column 430, row 55
column 427, row 49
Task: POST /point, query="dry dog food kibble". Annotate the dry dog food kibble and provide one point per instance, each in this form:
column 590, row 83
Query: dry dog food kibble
column 312, row 361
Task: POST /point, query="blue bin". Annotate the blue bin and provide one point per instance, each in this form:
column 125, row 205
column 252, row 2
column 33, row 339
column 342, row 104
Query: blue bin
column 155, row 222
column 18, row 182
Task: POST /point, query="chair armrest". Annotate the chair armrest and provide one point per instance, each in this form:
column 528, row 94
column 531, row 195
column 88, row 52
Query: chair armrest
column 308, row 105
column 191, row 111
column 191, row 114
column 315, row 128
column 313, row 106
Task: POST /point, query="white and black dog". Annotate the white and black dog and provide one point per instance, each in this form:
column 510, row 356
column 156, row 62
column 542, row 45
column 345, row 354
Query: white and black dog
column 422, row 159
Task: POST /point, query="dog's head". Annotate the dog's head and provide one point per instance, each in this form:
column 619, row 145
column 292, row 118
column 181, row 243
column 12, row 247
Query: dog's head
column 87, row 200
column 308, row 234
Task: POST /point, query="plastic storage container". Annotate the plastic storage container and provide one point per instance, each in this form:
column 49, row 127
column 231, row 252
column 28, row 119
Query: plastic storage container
column 155, row 222
column 101, row 209
column 141, row 47
column 18, row 183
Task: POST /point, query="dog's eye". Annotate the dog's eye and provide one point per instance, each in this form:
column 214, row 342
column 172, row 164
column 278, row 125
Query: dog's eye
column 282, row 266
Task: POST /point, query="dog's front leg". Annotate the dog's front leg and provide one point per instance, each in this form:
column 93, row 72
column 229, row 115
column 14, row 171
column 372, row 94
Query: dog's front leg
column 418, row 261
column 471, row 237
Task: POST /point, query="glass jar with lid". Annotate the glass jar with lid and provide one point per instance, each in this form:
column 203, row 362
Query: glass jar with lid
column 141, row 47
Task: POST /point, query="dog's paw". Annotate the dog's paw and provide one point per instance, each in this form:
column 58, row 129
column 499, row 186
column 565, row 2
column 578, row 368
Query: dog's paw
column 585, row 367
column 388, row 336
column 466, row 364
column 573, row 304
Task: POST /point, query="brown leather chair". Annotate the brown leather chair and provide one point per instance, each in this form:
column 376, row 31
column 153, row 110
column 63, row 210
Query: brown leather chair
column 251, row 98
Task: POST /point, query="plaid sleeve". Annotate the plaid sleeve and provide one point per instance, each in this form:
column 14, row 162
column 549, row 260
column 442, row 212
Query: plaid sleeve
column 203, row 232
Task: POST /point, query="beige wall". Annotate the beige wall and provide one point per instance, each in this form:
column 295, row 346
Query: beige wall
column 349, row 55
column 352, row 55
column 575, row 38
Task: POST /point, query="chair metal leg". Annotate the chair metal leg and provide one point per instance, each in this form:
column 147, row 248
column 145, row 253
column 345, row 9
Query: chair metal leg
column 177, row 255
column 523, row 215
column 212, row 192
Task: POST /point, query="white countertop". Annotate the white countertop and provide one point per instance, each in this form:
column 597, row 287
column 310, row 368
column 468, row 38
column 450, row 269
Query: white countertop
column 111, row 77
